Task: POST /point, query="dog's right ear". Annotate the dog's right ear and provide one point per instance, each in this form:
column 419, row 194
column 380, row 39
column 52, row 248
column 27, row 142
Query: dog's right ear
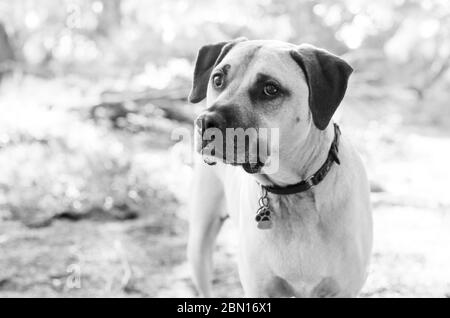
column 208, row 56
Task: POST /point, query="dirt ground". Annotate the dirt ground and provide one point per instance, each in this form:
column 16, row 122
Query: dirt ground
column 146, row 258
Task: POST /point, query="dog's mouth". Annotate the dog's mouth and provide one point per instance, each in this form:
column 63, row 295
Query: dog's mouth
column 249, row 166
column 253, row 168
column 234, row 157
column 236, row 152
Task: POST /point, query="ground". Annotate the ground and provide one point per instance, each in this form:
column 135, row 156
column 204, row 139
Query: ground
column 145, row 256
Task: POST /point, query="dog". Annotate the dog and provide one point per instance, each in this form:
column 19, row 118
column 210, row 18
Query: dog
column 304, row 230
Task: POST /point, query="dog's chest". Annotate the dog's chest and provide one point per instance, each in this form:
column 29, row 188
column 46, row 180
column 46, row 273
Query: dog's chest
column 295, row 235
column 293, row 250
column 296, row 228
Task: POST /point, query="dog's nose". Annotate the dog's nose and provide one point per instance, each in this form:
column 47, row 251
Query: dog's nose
column 209, row 120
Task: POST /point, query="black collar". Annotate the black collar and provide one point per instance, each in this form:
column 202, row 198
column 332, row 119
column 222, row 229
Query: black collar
column 317, row 177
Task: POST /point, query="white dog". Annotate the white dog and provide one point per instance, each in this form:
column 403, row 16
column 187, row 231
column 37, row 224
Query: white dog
column 305, row 230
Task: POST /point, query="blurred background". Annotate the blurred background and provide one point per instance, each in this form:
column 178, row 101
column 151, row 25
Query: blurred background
column 93, row 189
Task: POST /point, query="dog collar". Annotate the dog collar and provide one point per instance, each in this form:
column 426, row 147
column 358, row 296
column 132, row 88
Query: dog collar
column 317, row 177
column 263, row 215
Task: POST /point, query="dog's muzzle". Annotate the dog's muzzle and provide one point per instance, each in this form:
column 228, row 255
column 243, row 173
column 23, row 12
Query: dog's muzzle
column 231, row 152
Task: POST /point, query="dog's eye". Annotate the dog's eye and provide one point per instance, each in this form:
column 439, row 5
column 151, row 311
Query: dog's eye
column 271, row 90
column 217, row 80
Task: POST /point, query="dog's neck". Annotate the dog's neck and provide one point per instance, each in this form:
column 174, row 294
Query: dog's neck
column 302, row 160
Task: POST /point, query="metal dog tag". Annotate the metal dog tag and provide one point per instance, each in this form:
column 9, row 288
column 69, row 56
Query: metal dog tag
column 265, row 224
column 263, row 217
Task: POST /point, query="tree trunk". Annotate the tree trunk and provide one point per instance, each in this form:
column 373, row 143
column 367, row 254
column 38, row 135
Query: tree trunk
column 6, row 51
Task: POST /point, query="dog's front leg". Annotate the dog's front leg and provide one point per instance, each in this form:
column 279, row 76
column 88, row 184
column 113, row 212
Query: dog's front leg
column 205, row 221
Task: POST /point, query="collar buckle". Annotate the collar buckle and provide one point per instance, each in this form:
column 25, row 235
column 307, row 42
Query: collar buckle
column 310, row 181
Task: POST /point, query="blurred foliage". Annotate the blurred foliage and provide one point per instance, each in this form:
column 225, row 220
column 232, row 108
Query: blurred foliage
column 55, row 162
column 402, row 41
column 128, row 64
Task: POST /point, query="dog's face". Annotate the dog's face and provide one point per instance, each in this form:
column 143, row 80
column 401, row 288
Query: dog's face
column 265, row 84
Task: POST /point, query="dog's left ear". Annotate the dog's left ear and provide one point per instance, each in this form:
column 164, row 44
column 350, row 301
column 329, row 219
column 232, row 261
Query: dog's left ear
column 208, row 56
column 327, row 77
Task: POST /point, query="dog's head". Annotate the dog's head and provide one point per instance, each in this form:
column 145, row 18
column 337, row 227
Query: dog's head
column 265, row 84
